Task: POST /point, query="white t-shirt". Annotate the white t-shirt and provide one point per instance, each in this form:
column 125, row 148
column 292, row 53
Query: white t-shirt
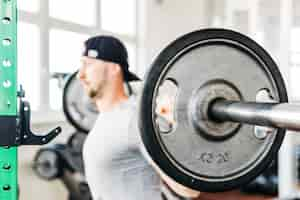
column 115, row 167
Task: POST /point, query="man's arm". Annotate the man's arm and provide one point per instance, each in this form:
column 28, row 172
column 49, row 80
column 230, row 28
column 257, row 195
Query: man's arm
column 173, row 185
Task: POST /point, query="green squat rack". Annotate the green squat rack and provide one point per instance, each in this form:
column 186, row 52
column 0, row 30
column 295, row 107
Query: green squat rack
column 14, row 112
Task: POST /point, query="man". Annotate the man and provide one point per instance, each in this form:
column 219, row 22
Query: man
column 114, row 165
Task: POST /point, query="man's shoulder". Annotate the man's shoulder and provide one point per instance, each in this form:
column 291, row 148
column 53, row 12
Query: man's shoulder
column 123, row 111
column 131, row 104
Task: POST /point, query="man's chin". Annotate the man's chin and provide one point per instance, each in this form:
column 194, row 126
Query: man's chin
column 89, row 92
column 92, row 94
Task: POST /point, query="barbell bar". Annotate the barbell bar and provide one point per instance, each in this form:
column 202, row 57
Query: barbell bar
column 276, row 115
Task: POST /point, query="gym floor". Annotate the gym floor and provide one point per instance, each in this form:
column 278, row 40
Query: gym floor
column 31, row 186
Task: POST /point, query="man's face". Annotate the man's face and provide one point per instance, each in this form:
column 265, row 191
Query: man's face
column 93, row 74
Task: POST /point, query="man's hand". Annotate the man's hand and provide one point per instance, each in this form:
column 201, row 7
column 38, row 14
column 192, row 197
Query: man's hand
column 164, row 109
column 176, row 187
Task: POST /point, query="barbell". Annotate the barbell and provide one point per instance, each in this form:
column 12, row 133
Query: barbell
column 214, row 110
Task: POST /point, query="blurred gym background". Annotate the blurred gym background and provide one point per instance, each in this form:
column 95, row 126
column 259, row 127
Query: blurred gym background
column 51, row 33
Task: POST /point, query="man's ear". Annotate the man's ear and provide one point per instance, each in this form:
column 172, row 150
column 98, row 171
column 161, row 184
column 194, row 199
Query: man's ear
column 116, row 68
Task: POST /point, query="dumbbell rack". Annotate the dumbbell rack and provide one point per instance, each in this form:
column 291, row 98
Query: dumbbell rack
column 8, row 97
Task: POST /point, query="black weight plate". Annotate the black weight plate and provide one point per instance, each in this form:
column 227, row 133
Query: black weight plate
column 154, row 141
column 48, row 164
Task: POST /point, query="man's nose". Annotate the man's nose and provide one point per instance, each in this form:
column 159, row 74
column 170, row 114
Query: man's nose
column 81, row 73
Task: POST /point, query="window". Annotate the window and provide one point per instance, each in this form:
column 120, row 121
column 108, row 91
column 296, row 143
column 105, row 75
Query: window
column 295, row 47
column 269, row 26
column 30, row 6
column 57, row 44
column 28, row 62
column 65, row 51
column 295, row 52
column 80, row 12
column 126, row 12
column 295, row 82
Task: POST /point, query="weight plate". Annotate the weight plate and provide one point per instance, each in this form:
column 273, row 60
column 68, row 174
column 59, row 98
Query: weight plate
column 75, row 146
column 175, row 127
column 76, row 141
column 48, row 164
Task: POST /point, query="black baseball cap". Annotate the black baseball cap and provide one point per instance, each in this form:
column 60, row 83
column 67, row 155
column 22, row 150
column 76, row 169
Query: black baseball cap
column 109, row 48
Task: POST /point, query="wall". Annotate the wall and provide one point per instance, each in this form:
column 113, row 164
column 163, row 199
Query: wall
column 162, row 21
